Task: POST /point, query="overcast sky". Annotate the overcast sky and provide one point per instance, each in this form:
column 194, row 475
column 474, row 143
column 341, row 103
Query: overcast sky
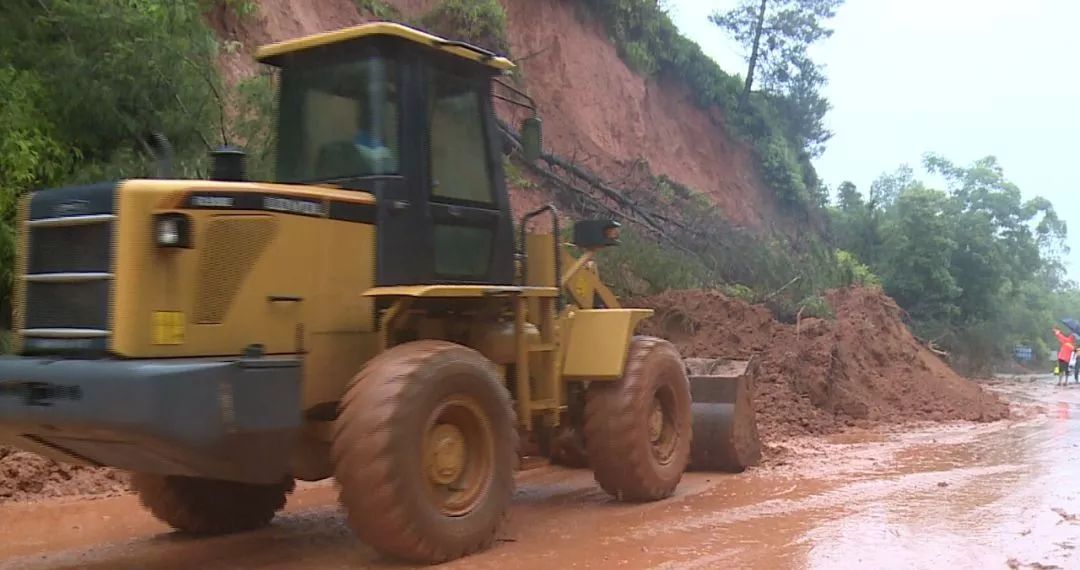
column 963, row 78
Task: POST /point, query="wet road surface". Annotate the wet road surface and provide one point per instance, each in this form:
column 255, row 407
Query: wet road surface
column 1002, row 495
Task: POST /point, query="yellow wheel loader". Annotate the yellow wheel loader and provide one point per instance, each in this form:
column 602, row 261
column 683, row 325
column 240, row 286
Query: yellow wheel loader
column 370, row 315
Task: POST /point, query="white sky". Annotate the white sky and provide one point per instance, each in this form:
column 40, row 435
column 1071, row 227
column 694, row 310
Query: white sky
column 962, row 78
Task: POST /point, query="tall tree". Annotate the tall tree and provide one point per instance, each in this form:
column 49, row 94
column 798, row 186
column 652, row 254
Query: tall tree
column 777, row 34
column 975, row 265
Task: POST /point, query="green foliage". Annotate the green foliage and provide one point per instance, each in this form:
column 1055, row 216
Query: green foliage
column 640, row 59
column 776, row 35
column 741, row 292
column 29, row 145
column 242, row 8
column 254, row 126
column 378, row 9
column 816, row 307
column 917, row 254
column 129, row 66
column 642, row 266
column 782, row 171
column 974, row 265
column 83, row 83
column 701, row 249
column 515, row 178
column 479, row 22
column 650, row 43
column 854, row 272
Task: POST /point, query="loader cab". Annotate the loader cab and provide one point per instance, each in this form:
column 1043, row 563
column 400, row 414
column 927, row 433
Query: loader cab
column 408, row 117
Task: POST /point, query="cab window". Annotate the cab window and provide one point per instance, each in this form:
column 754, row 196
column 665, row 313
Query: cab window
column 339, row 120
column 459, row 157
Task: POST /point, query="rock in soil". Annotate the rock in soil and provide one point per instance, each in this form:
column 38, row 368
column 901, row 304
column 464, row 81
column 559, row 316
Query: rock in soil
column 25, row 476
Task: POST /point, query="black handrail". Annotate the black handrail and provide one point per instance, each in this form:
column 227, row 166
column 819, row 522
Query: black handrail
column 556, row 238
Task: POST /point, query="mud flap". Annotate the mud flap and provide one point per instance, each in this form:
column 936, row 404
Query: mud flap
column 725, row 436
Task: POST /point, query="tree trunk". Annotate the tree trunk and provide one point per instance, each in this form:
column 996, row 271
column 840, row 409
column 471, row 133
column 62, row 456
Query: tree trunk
column 754, row 50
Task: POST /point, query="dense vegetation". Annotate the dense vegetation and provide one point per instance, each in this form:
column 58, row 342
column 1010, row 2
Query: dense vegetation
column 977, row 267
column 83, row 83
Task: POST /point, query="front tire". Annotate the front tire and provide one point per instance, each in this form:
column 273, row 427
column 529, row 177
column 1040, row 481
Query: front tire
column 209, row 506
column 637, row 429
column 424, row 451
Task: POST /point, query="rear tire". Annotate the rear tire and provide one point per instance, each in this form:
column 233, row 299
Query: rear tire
column 424, row 451
column 637, row 429
column 209, row 506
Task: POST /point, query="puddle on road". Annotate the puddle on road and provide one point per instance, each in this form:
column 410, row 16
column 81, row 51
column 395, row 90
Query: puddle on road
column 966, row 497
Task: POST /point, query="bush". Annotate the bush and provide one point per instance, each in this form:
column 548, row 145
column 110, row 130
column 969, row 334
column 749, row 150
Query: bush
column 740, row 292
column 479, row 22
column 643, row 266
column 254, row 125
column 242, row 8
column 782, row 172
column 378, row 9
column 815, row 307
column 82, row 83
column 854, row 272
column 638, row 57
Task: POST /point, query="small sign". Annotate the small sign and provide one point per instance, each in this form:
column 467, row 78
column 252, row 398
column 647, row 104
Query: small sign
column 168, row 328
column 1022, row 353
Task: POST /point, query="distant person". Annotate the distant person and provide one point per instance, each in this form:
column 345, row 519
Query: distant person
column 1065, row 354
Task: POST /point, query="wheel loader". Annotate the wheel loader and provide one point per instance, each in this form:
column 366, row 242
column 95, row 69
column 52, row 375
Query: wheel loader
column 371, row 315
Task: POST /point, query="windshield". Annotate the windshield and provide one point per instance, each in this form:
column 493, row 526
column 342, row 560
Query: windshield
column 338, row 120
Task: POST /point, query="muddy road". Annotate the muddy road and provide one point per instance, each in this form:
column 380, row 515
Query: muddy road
column 995, row 495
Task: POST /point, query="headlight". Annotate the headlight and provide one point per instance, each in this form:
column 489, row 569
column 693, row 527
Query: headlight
column 172, row 230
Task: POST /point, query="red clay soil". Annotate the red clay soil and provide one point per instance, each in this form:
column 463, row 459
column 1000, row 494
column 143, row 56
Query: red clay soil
column 860, row 369
column 25, row 476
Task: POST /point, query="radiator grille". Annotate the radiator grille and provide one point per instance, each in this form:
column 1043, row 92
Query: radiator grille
column 81, row 248
column 64, row 275
column 18, row 303
column 68, row 305
column 232, row 245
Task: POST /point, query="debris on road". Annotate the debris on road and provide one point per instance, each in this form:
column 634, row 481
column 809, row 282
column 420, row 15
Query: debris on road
column 25, row 476
column 862, row 368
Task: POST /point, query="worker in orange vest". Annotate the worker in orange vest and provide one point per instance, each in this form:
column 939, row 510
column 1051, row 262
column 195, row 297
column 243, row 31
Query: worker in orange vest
column 1068, row 345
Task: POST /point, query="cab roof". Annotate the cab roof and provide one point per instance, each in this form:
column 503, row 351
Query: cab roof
column 385, row 29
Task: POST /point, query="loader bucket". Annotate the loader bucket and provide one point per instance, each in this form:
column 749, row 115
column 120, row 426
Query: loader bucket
column 725, row 436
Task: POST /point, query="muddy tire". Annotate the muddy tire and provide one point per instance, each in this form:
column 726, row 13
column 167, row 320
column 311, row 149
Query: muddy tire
column 209, row 506
column 637, row 429
column 424, row 450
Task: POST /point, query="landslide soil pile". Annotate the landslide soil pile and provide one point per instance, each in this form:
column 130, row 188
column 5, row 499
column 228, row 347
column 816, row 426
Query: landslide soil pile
column 25, row 475
column 862, row 368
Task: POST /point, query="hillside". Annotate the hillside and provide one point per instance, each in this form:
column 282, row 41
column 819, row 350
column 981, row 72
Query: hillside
column 596, row 110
